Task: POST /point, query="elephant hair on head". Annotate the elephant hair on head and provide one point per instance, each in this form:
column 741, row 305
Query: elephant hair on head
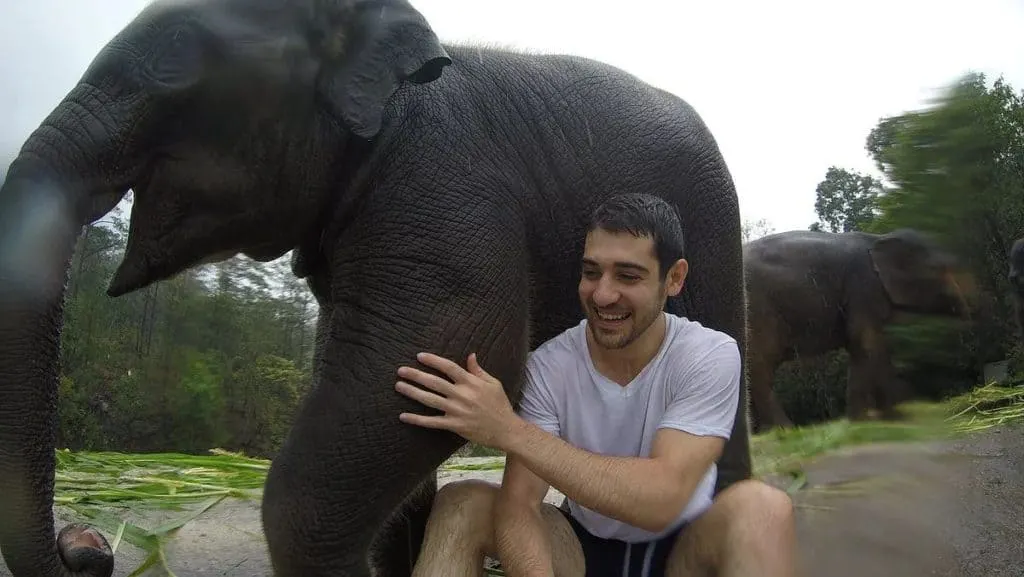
column 435, row 197
column 812, row 292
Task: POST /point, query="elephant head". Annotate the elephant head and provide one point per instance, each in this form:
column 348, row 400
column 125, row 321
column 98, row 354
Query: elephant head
column 217, row 115
column 918, row 276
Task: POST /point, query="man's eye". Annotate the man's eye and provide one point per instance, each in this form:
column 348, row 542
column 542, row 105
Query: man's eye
column 629, row 277
column 591, row 274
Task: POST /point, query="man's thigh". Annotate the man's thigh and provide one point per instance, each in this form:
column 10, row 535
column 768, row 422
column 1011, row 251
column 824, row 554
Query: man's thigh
column 747, row 512
column 566, row 551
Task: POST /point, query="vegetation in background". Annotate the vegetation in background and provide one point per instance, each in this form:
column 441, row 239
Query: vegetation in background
column 756, row 229
column 218, row 356
column 846, row 200
column 955, row 170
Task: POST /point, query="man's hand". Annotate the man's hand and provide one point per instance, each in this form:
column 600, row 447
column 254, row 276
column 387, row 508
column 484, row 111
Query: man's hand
column 474, row 403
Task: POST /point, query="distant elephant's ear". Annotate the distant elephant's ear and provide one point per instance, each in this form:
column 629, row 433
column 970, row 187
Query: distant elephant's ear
column 898, row 261
column 368, row 49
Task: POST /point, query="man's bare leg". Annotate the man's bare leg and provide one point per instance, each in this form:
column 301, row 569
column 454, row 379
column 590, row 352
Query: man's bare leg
column 460, row 532
column 749, row 530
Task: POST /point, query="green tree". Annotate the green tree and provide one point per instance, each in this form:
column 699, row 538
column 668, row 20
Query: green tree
column 845, row 200
column 957, row 172
column 953, row 169
column 756, row 229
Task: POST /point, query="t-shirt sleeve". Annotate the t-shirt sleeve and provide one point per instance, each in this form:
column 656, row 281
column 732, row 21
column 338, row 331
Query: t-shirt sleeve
column 537, row 404
column 706, row 394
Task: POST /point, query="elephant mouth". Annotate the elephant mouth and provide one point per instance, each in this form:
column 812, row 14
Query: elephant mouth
column 152, row 242
column 178, row 223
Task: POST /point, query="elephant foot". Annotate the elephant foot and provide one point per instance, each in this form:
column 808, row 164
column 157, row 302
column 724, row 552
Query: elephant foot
column 862, row 415
column 778, row 421
column 767, row 427
column 84, row 550
column 892, row 414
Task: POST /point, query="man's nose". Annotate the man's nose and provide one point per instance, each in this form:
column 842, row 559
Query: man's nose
column 605, row 294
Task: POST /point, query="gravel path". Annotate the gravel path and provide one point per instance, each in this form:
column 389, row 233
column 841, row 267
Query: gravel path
column 951, row 509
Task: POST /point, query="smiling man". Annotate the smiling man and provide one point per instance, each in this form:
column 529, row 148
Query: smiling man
column 626, row 414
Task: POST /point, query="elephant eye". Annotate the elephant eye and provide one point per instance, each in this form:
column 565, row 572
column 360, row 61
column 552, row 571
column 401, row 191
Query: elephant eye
column 175, row 59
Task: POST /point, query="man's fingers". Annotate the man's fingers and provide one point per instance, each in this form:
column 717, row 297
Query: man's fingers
column 446, row 366
column 475, row 368
column 428, row 380
column 417, row 394
column 423, row 420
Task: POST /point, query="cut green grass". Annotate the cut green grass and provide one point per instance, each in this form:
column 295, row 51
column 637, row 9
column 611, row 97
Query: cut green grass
column 163, row 479
column 492, row 464
column 94, row 484
column 783, row 451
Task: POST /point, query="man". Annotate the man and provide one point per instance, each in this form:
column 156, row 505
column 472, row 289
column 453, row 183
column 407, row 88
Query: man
column 626, row 414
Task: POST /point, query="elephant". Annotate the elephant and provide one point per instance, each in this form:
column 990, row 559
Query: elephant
column 433, row 197
column 1016, row 279
column 813, row 292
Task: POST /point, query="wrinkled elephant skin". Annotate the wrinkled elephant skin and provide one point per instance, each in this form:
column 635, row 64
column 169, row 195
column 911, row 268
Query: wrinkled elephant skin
column 434, row 196
column 812, row 292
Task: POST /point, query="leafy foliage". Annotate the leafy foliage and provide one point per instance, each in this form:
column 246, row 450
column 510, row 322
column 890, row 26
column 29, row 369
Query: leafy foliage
column 846, row 200
column 756, row 229
column 958, row 173
column 955, row 170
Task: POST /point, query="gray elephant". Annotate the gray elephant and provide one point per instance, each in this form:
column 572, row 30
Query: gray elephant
column 1016, row 278
column 809, row 293
column 435, row 198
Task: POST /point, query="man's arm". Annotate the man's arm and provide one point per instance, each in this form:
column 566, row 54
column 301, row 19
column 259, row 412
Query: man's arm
column 520, row 535
column 646, row 492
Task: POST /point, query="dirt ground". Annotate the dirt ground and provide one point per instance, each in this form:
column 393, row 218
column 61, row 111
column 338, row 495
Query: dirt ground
column 953, row 509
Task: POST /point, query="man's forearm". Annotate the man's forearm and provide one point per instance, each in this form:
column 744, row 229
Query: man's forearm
column 633, row 490
column 522, row 540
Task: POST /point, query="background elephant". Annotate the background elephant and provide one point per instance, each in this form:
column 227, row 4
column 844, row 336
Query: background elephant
column 1016, row 278
column 426, row 214
column 809, row 293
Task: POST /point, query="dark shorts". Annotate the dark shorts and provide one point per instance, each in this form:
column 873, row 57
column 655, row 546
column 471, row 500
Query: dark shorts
column 614, row 558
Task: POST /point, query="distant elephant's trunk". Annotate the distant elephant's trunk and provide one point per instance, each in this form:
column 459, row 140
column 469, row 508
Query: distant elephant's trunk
column 54, row 187
column 964, row 290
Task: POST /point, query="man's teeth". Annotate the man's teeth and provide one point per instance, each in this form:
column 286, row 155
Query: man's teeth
column 607, row 317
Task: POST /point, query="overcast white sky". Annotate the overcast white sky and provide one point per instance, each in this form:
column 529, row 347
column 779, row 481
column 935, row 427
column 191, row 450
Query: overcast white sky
column 787, row 87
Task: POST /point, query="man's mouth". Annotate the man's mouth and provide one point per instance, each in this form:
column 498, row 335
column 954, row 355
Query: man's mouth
column 612, row 317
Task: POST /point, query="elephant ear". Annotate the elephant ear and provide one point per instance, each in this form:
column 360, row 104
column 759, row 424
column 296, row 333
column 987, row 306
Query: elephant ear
column 369, row 49
column 903, row 261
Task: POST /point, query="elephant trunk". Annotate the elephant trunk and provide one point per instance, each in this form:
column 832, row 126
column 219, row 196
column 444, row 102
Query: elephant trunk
column 964, row 294
column 52, row 189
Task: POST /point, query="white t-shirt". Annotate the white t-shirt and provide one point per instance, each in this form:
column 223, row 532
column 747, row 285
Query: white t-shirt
column 692, row 384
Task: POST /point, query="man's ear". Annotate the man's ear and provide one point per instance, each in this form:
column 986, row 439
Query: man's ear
column 369, row 50
column 676, row 277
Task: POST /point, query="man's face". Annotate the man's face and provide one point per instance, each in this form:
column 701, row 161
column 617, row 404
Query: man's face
column 621, row 288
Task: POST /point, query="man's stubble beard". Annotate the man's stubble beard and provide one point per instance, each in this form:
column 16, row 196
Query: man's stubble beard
column 620, row 342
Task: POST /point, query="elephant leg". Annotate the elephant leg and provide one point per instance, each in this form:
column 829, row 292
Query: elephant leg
column 871, row 378
column 889, row 393
column 398, row 545
column 1018, row 304
column 768, row 412
column 349, row 463
column 859, row 398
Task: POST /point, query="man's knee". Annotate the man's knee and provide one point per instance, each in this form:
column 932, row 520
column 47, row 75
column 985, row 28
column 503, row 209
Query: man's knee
column 466, row 503
column 759, row 502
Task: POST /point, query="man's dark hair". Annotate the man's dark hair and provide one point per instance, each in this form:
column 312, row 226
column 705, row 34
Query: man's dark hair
column 643, row 215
